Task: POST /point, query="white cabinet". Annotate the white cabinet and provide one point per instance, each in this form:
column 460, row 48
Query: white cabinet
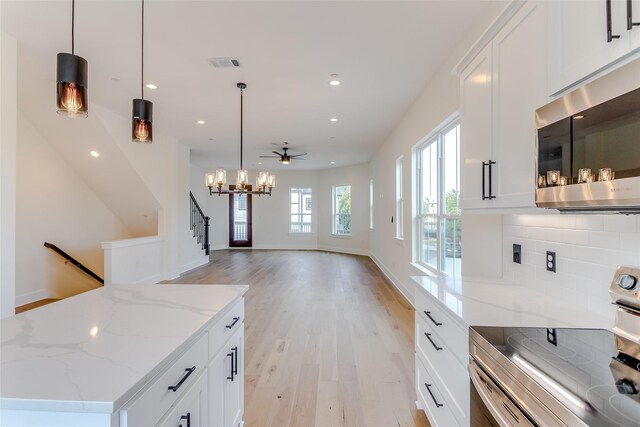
column 226, row 384
column 191, row 409
column 586, row 37
column 501, row 89
column 634, row 22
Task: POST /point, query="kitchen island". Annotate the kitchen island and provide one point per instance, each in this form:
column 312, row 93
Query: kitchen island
column 126, row 355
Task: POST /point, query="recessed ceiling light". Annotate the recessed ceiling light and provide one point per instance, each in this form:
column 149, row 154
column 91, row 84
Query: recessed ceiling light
column 578, row 117
column 259, row 163
column 334, row 80
column 333, row 163
column 95, row 154
column 333, row 119
column 200, row 122
column 152, row 86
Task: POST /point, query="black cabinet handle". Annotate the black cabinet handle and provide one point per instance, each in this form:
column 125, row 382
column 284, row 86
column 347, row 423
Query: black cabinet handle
column 232, row 373
column 610, row 35
column 186, row 417
column 428, row 386
column 432, row 343
column 435, row 322
column 235, row 320
column 484, row 192
column 188, row 371
column 630, row 23
column 235, row 360
column 491, row 196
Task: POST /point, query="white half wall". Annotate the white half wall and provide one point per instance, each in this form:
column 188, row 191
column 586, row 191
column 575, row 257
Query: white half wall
column 55, row 205
column 8, row 144
column 133, row 261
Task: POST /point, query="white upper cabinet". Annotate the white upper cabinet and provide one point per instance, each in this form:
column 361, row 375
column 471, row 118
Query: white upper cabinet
column 501, row 87
column 587, row 36
column 519, row 88
column 475, row 132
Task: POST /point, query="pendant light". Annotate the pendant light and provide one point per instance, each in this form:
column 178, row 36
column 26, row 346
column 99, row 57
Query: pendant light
column 265, row 182
column 71, row 79
column 142, row 111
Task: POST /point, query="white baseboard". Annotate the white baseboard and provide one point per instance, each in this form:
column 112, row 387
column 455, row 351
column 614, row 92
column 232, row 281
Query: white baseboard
column 343, row 250
column 408, row 295
column 198, row 262
column 154, row 278
column 34, row 296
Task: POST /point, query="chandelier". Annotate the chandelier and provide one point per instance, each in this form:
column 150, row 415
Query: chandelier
column 265, row 182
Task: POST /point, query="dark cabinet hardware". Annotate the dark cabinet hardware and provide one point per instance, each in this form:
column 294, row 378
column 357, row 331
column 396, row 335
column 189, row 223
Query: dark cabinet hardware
column 188, row 371
column 630, row 23
column 235, row 360
column 235, row 320
column 610, row 35
column 435, row 322
column 428, row 386
column 187, row 418
column 432, row 343
column 488, row 165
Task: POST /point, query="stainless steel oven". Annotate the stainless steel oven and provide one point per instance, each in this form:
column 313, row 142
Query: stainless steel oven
column 560, row 377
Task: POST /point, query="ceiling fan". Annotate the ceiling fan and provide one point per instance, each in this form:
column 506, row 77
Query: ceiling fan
column 285, row 158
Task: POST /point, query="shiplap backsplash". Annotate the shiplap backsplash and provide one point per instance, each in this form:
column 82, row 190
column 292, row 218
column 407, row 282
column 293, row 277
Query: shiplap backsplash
column 588, row 249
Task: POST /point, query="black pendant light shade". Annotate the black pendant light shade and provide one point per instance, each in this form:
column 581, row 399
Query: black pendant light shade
column 72, row 71
column 142, row 121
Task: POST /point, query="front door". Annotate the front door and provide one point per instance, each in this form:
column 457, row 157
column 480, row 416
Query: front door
column 239, row 219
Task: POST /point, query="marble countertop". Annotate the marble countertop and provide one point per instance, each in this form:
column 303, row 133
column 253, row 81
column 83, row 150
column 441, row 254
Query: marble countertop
column 477, row 303
column 94, row 351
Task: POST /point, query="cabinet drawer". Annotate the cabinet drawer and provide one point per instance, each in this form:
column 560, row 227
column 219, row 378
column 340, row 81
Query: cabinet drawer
column 439, row 320
column 431, row 400
column 436, row 355
column 225, row 327
column 149, row 406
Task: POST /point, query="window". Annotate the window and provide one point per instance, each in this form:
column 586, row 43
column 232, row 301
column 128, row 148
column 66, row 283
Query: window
column 371, row 204
column 342, row 210
column 438, row 176
column 300, row 210
column 399, row 200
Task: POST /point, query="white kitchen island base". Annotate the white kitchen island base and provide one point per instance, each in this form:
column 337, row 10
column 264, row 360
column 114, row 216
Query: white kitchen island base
column 127, row 356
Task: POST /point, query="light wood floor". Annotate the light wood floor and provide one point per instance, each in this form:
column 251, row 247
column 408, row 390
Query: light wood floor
column 328, row 342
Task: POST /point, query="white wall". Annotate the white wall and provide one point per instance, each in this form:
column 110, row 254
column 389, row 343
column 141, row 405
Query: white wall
column 271, row 213
column 437, row 101
column 54, row 204
column 358, row 178
column 8, row 139
column 588, row 250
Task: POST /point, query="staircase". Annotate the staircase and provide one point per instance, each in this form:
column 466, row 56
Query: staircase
column 199, row 224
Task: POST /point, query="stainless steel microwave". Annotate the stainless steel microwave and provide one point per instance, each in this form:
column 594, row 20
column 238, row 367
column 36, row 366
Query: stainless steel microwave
column 588, row 146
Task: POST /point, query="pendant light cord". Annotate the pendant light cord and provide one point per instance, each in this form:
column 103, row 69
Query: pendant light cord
column 142, row 56
column 241, row 121
column 73, row 25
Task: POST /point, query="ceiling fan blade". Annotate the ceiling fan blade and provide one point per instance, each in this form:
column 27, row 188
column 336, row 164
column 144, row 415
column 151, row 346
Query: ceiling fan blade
column 295, row 158
column 270, row 157
column 298, row 155
column 279, row 154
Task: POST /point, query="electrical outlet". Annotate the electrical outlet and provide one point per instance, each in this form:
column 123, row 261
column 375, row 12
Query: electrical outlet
column 517, row 253
column 551, row 261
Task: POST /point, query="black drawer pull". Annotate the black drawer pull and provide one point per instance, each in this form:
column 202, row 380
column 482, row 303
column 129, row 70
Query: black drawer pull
column 432, row 343
column 186, row 417
column 235, row 320
column 435, row 322
column 630, row 23
column 189, row 371
column 610, row 35
column 428, row 386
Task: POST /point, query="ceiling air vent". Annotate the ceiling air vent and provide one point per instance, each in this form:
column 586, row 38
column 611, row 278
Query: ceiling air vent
column 224, row 62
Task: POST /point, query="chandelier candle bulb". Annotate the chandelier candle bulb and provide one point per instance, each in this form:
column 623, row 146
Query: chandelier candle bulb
column 271, row 181
column 221, row 177
column 242, row 178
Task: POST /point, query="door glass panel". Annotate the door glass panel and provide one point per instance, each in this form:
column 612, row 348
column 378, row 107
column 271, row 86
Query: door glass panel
column 240, row 231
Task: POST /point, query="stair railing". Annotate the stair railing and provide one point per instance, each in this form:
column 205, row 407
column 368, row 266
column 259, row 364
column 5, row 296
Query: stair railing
column 199, row 224
column 74, row 261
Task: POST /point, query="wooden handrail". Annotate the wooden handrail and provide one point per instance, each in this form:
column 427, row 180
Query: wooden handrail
column 73, row 261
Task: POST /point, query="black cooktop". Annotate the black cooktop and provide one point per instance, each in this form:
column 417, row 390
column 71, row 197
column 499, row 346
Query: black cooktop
column 581, row 368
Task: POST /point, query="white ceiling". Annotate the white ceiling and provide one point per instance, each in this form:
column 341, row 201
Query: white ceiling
column 384, row 52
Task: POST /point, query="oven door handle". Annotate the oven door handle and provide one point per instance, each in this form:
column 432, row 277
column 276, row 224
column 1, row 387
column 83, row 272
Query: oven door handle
column 481, row 386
